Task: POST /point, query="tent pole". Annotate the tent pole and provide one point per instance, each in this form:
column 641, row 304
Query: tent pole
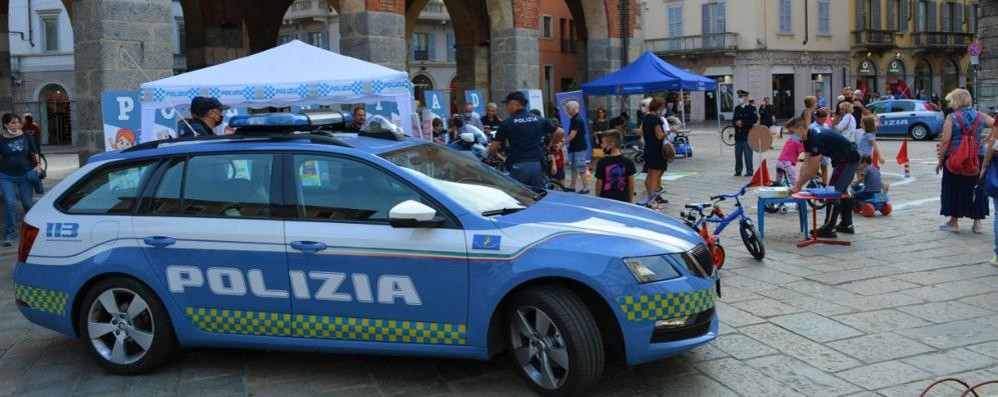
column 682, row 106
column 717, row 102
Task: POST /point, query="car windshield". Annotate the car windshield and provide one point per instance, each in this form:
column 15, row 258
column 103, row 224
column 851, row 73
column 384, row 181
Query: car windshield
column 472, row 184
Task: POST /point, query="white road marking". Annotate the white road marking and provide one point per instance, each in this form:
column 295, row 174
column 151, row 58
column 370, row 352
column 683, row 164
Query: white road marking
column 909, row 204
column 902, row 181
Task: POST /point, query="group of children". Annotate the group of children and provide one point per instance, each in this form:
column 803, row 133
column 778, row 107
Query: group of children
column 868, row 180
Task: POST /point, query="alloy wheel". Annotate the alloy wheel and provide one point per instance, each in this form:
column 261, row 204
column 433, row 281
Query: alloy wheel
column 539, row 348
column 120, row 326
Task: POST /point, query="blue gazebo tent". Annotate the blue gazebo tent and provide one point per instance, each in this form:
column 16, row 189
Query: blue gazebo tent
column 649, row 73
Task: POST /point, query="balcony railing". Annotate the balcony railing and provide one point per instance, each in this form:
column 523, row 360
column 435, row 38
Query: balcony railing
column 694, row 44
column 943, row 40
column 873, row 38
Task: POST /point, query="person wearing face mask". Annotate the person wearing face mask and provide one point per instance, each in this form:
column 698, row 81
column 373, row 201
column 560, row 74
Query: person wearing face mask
column 745, row 118
column 208, row 113
column 614, row 173
column 18, row 167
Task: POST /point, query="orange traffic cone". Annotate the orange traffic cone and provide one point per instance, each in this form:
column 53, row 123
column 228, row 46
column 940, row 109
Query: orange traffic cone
column 761, row 176
column 902, row 158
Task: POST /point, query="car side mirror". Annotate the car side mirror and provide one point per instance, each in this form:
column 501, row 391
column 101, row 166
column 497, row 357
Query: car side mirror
column 413, row 214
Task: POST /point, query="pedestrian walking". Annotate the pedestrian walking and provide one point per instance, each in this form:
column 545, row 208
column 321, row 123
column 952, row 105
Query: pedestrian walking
column 822, row 101
column 18, row 159
column 745, row 117
column 845, row 122
column 208, row 113
column 526, row 134
column 866, row 142
column 767, row 113
column 845, row 160
column 653, row 131
column 33, row 130
column 962, row 195
column 988, row 158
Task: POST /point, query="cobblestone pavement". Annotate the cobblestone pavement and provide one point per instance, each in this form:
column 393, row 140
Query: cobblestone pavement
column 904, row 305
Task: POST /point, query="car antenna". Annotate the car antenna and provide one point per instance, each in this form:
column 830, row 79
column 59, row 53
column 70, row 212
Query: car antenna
column 146, row 75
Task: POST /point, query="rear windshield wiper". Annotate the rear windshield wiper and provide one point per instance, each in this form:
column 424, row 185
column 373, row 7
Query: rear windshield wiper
column 502, row 211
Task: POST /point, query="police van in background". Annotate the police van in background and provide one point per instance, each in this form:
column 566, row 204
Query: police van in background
column 920, row 120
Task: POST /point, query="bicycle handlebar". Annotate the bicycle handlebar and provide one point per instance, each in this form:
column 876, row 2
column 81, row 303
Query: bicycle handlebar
column 721, row 197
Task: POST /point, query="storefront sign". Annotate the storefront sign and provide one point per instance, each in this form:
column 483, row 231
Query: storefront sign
column 896, row 67
column 866, row 68
column 821, row 70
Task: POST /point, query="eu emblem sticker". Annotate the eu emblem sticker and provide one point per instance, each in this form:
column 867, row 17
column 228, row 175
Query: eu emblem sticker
column 486, row 242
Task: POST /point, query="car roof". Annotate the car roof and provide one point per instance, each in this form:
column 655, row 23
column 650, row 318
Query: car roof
column 346, row 143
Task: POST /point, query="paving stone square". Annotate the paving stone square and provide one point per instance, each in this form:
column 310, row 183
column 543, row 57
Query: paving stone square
column 904, row 305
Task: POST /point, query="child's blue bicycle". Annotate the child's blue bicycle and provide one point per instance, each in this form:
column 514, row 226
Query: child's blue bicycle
column 697, row 219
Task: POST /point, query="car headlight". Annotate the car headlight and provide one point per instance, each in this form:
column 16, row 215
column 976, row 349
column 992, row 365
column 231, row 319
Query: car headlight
column 651, row 268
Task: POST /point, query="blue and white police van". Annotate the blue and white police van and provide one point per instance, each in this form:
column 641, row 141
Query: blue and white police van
column 286, row 235
column 908, row 117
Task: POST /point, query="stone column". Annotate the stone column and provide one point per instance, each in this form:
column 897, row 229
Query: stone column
column 515, row 59
column 6, row 93
column 988, row 74
column 374, row 30
column 603, row 56
column 212, row 46
column 105, row 30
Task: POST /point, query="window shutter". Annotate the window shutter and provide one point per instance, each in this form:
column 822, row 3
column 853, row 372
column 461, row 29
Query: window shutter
column 876, row 22
column 933, row 20
column 860, row 20
column 945, row 7
column 431, row 39
column 413, row 45
column 919, row 16
column 904, row 14
column 958, row 18
column 891, row 22
column 705, row 10
column 451, row 51
column 720, row 26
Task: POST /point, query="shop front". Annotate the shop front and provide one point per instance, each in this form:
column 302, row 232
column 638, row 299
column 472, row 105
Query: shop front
column 896, row 84
column 866, row 78
column 726, row 93
column 821, row 81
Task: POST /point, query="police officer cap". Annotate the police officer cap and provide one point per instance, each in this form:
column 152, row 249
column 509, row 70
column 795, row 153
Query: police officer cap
column 201, row 105
column 742, row 93
column 516, row 96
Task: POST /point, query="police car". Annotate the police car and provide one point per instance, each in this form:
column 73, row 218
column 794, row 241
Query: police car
column 908, row 117
column 288, row 236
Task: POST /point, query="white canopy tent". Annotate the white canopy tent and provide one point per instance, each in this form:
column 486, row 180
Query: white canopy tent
column 293, row 74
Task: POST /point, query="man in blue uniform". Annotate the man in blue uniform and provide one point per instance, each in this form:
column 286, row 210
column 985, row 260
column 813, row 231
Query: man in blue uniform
column 526, row 134
column 845, row 160
column 745, row 118
column 208, row 113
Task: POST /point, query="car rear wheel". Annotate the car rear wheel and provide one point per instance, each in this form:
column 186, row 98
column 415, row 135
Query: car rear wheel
column 555, row 344
column 127, row 326
column 919, row 132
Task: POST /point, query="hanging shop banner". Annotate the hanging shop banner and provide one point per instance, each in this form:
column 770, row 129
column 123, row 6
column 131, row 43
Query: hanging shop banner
column 476, row 99
column 866, row 68
column 386, row 109
column 438, row 105
column 563, row 99
column 896, row 67
column 122, row 119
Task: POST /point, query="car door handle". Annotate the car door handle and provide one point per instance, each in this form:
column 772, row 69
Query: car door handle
column 308, row 247
column 159, row 241
column 913, row 115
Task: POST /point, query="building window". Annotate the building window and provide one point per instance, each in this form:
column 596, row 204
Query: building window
column 675, row 19
column 876, row 19
column 713, row 24
column 420, row 47
column 318, row 39
column 824, row 17
column 546, row 28
column 181, row 37
column 562, row 25
column 891, row 12
column 903, row 13
column 50, row 33
column 451, row 48
column 786, row 17
column 921, row 16
column 301, row 5
column 972, row 19
column 285, row 38
column 860, row 15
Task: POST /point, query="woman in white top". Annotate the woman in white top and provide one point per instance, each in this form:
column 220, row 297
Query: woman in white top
column 845, row 123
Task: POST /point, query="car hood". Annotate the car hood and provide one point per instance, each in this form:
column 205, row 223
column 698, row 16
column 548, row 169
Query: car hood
column 574, row 213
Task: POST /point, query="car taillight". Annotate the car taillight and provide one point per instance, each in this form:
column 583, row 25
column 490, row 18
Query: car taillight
column 28, row 234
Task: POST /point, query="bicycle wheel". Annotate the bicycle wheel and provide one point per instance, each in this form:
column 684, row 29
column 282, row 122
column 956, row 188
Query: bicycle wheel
column 816, row 183
column 751, row 239
column 728, row 135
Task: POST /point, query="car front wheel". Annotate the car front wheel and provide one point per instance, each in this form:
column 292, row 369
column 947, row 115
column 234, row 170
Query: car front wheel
column 555, row 344
column 920, row 132
column 127, row 326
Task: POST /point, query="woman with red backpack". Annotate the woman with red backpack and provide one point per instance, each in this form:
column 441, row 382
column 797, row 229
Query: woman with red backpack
column 961, row 152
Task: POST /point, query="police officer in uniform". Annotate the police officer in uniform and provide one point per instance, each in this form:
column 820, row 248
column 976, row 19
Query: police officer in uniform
column 745, row 117
column 208, row 113
column 525, row 134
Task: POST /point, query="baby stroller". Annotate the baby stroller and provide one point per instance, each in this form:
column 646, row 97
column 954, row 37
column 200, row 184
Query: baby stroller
column 679, row 136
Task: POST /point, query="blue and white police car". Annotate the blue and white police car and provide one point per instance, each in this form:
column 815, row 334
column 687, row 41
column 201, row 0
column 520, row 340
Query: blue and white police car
column 288, row 236
column 908, row 117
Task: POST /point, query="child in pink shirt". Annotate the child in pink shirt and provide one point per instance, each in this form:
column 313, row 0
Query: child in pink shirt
column 787, row 163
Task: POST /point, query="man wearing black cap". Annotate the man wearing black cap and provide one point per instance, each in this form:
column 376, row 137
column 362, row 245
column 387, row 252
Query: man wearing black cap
column 526, row 134
column 744, row 118
column 208, row 114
